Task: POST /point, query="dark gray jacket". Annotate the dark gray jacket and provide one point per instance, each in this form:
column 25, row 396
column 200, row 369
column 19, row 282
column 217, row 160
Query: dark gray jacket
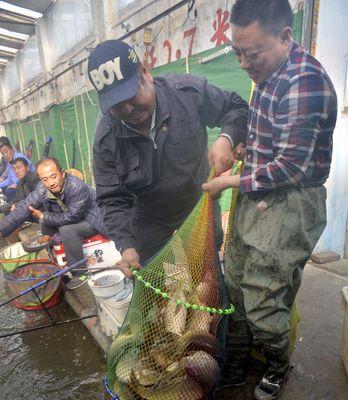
column 78, row 200
column 134, row 177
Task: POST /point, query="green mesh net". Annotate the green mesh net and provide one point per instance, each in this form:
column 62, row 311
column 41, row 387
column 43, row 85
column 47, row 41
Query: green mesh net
column 171, row 344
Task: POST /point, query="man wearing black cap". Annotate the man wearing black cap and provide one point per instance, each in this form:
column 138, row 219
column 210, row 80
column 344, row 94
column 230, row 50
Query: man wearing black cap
column 150, row 149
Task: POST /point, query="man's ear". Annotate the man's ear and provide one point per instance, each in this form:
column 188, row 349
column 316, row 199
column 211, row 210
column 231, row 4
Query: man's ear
column 286, row 35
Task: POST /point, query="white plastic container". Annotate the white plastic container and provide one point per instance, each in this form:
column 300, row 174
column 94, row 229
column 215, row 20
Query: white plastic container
column 107, row 283
column 112, row 314
column 99, row 251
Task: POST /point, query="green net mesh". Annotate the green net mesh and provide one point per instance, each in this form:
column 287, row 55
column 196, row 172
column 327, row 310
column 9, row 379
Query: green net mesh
column 171, row 344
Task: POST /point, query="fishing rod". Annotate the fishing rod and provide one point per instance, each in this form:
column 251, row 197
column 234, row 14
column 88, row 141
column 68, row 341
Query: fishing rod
column 36, row 328
column 97, row 269
column 53, row 321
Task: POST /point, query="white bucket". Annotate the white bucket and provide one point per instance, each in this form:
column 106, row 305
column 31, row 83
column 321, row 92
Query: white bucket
column 112, row 313
column 107, row 283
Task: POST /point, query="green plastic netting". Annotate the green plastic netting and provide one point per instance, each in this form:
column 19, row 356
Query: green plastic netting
column 171, row 344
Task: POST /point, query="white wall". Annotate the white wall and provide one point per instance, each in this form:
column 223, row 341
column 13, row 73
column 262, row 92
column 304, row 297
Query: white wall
column 332, row 52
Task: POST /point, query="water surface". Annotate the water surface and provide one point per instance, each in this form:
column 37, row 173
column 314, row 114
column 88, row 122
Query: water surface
column 57, row 363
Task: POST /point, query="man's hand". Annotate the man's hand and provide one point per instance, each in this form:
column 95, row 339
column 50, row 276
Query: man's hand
column 216, row 185
column 36, row 213
column 220, row 155
column 239, row 152
column 13, row 207
column 130, row 258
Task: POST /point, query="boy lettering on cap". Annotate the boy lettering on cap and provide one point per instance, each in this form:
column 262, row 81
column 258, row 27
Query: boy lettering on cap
column 150, row 148
column 106, row 73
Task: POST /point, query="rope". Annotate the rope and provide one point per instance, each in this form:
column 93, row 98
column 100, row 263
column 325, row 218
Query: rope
column 194, row 307
column 43, row 132
column 91, row 101
column 79, row 139
column 18, row 136
column 36, row 139
column 21, row 137
column 87, row 138
column 63, row 133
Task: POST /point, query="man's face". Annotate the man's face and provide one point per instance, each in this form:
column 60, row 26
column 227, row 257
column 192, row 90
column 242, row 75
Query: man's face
column 7, row 152
column 138, row 110
column 21, row 170
column 260, row 53
column 51, row 177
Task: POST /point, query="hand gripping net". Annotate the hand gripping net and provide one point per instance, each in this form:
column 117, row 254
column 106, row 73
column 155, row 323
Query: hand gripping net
column 171, row 344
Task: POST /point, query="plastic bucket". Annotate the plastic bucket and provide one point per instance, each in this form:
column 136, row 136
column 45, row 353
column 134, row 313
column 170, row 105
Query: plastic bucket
column 118, row 309
column 28, row 275
column 112, row 313
column 107, row 283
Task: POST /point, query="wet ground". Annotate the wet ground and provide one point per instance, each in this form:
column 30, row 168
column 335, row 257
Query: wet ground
column 58, row 363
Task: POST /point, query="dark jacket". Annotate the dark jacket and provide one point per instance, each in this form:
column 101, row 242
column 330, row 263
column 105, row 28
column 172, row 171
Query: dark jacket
column 77, row 204
column 25, row 186
column 164, row 183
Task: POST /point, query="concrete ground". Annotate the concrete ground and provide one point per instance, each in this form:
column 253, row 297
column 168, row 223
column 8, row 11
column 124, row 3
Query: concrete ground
column 318, row 372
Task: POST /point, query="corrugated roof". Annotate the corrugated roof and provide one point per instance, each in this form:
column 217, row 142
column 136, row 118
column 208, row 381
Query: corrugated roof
column 39, row 6
column 19, row 21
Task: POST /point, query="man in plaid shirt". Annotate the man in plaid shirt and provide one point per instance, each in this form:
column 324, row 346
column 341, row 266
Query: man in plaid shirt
column 281, row 211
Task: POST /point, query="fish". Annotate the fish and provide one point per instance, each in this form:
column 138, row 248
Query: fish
column 196, row 340
column 175, row 315
column 202, row 367
column 200, row 322
column 144, row 374
column 125, row 365
column 183, row 388
column 161, row 355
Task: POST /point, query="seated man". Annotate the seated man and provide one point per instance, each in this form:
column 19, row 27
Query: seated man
column 62, row 203
column 3, row 162
column 27, row 180
column 8, row 180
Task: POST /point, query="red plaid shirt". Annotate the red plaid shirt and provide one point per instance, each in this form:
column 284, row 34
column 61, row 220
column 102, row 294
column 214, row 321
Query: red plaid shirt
column 291, row 120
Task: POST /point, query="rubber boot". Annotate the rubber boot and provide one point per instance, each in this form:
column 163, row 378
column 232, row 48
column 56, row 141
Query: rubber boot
column 272, row 383
column 237, row 362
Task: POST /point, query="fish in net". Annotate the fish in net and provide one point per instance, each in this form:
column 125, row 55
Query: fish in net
column 171, row 344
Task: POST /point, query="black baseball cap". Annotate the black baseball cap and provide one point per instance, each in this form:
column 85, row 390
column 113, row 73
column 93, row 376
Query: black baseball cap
column 113, row 69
